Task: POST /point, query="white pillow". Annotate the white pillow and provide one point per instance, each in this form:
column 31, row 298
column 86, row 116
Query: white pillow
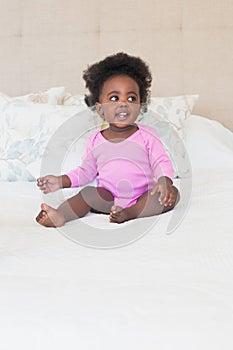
column 67, row 161
column 25, row 129
column 50, row 96
column 66, row 145
column 209, row 143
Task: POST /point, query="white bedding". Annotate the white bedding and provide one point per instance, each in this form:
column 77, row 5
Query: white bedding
column 163, row 291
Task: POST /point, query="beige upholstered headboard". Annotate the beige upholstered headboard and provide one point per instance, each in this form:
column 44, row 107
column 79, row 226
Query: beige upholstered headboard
column 188, row 44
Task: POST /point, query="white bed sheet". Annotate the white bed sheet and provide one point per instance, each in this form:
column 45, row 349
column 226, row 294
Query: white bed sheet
column 163, row 292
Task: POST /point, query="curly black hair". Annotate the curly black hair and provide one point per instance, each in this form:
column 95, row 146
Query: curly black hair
column 117, row 64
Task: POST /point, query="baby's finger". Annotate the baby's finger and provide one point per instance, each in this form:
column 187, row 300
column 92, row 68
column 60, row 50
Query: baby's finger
column 171, row 199
column 160, row 199
column 41, row 181
column 166, row 201
column 154, row 190
column 163, row 197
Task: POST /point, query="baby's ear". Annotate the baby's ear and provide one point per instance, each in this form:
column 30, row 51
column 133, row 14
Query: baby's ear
column 99, row 109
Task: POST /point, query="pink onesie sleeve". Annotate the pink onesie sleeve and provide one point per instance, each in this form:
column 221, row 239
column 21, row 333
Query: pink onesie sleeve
column 159, row 159
column 87, row 170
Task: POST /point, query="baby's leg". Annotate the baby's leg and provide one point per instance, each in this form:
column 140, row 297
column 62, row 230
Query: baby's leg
column 77, row 206
column 147, row 205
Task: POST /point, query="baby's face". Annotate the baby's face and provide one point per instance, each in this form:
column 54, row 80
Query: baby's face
column 119, row 101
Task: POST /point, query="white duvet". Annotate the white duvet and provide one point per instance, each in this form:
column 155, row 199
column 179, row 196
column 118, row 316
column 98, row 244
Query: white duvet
column 163, row 291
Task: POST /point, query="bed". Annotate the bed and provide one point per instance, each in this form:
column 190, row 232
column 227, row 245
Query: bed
column 153, row 283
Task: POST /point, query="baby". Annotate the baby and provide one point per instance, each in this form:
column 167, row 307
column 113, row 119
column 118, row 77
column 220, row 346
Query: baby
column 134, row 173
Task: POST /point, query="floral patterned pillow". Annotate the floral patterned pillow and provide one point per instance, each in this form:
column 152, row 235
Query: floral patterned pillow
column 168, row 115
column 174, row 110
column 175, row 147
column 25, row 129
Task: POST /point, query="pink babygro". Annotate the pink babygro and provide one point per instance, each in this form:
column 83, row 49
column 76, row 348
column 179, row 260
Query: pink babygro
column 127, row 168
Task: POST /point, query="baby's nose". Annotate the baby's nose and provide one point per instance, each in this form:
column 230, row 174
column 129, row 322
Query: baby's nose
column 123, row 102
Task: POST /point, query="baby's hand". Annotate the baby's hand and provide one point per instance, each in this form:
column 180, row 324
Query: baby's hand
column 49, row 183
column 167, row 191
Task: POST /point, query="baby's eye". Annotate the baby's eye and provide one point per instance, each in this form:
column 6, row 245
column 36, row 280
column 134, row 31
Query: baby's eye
column 131, row 98
column 114, row 98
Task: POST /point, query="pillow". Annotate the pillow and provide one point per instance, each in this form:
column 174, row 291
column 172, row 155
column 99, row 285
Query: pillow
column 168, row 115
column 174, row 110
column 208, row 143
column 14, row 170
column 51, row 96
column 173, row 145
column 56, row 95
column 25, row 129
column 67, row 144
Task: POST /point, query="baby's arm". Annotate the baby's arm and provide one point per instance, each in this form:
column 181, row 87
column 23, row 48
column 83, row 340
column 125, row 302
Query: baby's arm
column 51, row 183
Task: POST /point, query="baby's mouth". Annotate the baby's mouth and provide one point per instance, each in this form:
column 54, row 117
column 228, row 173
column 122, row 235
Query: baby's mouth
column 122, row 115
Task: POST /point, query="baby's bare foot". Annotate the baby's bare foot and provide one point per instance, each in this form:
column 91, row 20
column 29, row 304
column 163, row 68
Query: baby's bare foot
column 50, row 217
column 118, row 214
